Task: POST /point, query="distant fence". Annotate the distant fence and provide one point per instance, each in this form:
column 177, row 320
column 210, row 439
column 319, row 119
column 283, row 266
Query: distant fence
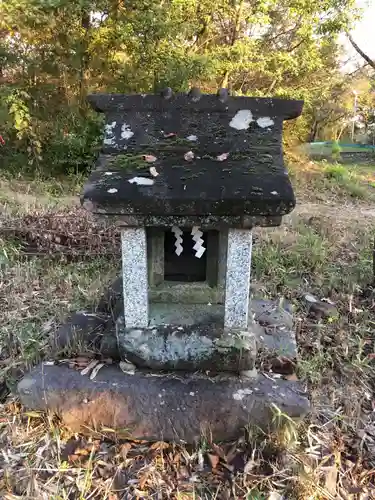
column 350, row 153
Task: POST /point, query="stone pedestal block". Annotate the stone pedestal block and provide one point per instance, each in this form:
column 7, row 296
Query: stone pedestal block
column 189, row 347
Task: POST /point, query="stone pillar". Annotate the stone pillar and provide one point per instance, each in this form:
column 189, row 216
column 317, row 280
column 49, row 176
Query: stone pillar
column 237, row 286
column 134, row 271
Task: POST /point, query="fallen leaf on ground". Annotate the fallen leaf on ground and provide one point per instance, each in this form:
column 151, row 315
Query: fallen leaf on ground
column 95, row 370
column 331, row 480
column 293, row 377
column 214, row 460
column 219, row 451
column 124, row 450
column 33, row 414
column 159, row 445
column 127, row 368
column 89, row 367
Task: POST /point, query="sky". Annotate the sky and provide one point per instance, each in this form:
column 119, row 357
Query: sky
column 363, row 33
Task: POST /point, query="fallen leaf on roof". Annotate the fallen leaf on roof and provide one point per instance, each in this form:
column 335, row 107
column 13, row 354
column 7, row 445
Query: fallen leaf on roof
column 149, row 158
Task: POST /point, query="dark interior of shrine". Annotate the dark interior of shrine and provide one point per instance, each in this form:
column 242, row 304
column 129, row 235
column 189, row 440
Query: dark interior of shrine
column 185, row 267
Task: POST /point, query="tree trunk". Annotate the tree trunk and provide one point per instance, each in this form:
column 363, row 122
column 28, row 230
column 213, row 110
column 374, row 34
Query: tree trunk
column 314, row 131
column 84, row 62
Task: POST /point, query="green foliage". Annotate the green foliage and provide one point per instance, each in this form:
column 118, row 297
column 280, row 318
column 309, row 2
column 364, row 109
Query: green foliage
column 346, row 180
column 54, row 52
column 336, row 150
column 337, row 172
column 23, row 125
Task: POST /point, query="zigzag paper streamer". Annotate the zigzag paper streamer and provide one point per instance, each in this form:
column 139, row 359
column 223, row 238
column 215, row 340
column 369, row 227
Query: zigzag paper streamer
column 178, row 243
column 197, row 237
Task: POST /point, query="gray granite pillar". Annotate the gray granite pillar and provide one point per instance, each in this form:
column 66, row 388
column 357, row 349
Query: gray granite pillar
column 134, row 271
column 237, row 286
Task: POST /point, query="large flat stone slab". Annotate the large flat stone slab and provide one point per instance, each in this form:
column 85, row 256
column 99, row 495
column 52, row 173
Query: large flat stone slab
column 169, row 408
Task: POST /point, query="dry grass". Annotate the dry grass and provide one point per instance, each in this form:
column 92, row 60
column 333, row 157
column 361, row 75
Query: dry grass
column 323, row 248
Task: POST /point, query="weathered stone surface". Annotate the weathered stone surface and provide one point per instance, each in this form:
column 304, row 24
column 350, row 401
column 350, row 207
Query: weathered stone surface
column 167, row 408
column 80, row 328
column 272, row 325
column 190, row 348
column 323, row 310
column 276, row 340
column 209, row 157
column 237, row 281
column 205, row 222
column 275, row 333
column 271, row 313
column 179, row 293
column 320, row 309
column 135, row 276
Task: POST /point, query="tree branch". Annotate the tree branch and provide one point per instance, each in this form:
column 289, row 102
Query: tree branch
column 360, row 52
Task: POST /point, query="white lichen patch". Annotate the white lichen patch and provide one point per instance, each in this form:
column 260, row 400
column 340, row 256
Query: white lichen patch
column 109, row 139
column 192, row 138
column 126, row 131
column 241, row 393
column 154, row 172
column 222, row 157
column 189, row 156
column 142, row 181
column 242, row 119
column 108, row 127
column 112, row 190
column 265, row 121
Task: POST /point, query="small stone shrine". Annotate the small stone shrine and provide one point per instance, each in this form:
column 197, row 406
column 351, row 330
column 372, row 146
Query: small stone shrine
column 187, row 177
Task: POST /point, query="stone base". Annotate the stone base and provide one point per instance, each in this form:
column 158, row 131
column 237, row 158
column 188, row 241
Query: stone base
column 203, row 347
column 196, row 328
column 166, row 407
column 270, row 333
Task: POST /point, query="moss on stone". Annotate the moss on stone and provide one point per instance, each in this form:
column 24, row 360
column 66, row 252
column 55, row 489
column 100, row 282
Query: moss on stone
column 128, row 161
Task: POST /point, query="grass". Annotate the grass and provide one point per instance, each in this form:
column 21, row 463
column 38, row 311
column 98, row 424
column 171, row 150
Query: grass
column 323, row 248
